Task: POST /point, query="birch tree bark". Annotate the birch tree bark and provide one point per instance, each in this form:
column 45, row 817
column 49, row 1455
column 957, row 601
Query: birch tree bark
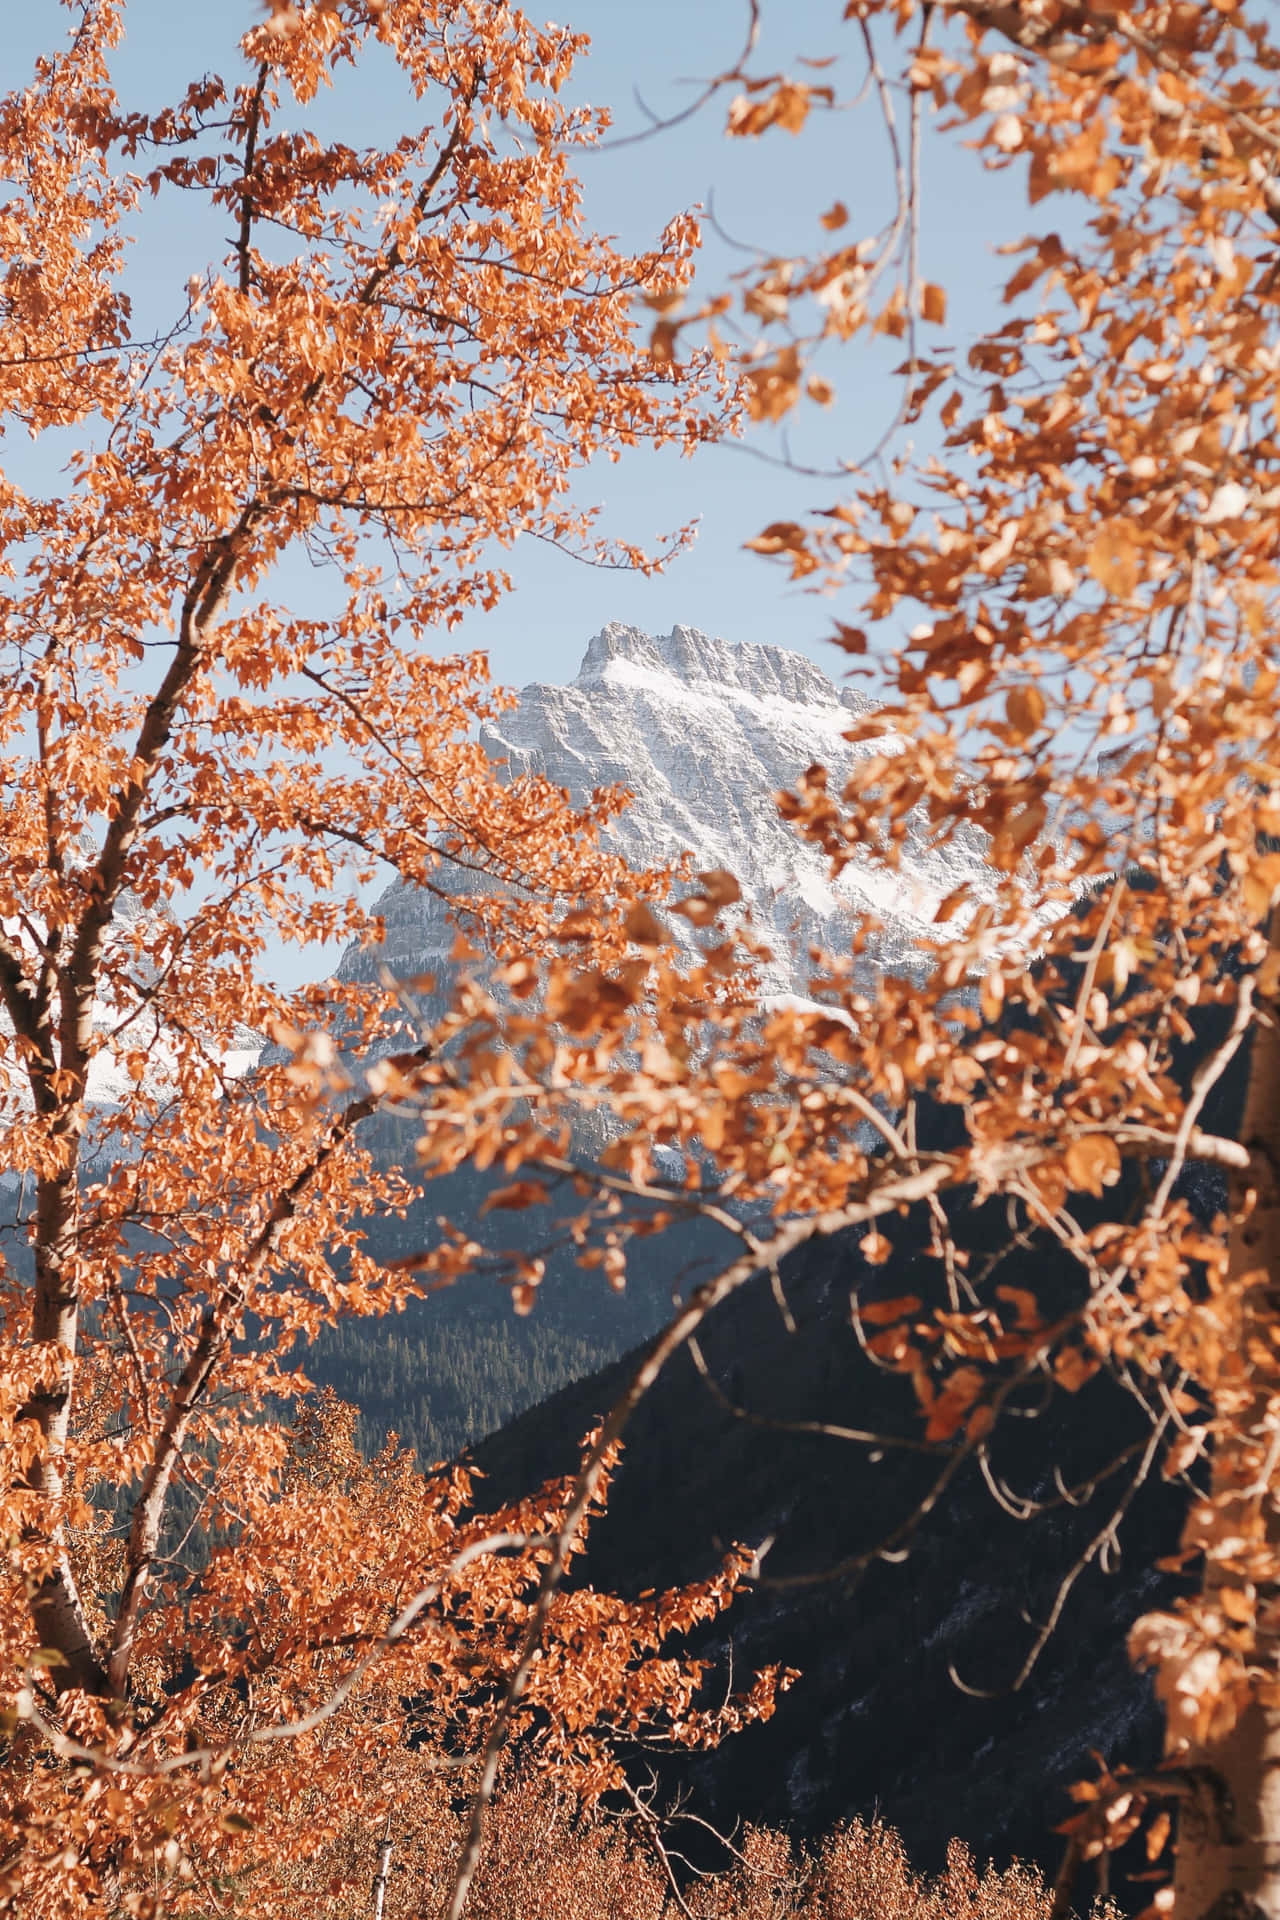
column 1229, row 1832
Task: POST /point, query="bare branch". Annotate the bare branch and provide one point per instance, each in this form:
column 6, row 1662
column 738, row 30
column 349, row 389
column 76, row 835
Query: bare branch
column 246, row 197
column 729, row 77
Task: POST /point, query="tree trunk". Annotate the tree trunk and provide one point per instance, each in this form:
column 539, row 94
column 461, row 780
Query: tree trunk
column 380, row 1879
column 1229, row 1834
column 56, row 1607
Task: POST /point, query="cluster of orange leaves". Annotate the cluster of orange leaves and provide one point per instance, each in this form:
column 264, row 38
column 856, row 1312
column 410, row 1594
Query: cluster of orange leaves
column 193, row 1799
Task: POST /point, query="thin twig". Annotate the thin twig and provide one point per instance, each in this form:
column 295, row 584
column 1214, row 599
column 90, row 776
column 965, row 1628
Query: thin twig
column 664, row 124
column 1106, row 1534
column 1206, row 1077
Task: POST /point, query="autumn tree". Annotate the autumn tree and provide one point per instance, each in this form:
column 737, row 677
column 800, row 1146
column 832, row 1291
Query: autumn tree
column 1059, row 579
column 388, row 359
column 1062, row 592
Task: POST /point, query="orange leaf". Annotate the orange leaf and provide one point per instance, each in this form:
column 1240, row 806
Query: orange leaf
column 1182, row 1451
column 719, row 886
column 875, row 1249
column 1092, row 1161
column 1259, row 884
column 1026, row 823
column 1112, row 559
column 959, row 1391
column 879, row 1313
column 643, row 926
column 521, row 1193
column 781, row 536
column 1024, row 1303
column 933, row 303
column 1024, row 710
column 1158, row 1835
column 1073, row 1369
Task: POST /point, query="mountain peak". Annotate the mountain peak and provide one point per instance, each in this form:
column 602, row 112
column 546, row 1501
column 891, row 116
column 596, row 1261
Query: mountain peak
column 703, row 734
column 622, row 655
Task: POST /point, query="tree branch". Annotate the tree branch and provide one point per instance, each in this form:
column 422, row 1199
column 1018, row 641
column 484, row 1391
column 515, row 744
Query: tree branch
column 214, row 1337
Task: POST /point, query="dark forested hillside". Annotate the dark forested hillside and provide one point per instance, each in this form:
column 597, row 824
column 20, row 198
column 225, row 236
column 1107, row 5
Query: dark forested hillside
column 922, row 1697
column 877, row 1724
column 460, row 1363
column 447, row 1370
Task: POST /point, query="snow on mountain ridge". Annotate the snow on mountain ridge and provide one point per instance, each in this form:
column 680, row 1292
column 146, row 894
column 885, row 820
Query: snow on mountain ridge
column 124, row 1022
column 688, row 658
column 703, row 734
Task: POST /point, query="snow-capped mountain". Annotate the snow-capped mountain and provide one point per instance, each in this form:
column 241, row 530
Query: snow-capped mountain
column 124, row 1023
column 704, row 734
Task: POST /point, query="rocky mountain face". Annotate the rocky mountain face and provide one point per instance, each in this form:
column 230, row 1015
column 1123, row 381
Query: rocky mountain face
column 703, row 734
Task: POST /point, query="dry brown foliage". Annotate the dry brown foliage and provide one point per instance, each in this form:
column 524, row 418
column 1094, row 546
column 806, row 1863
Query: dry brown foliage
column 545, row 1860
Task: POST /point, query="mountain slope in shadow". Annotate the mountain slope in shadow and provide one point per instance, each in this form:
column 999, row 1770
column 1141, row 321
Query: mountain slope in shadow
column 910, row 1702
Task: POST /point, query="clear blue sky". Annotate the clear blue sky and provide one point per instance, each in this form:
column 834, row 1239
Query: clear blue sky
column 769, row 192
